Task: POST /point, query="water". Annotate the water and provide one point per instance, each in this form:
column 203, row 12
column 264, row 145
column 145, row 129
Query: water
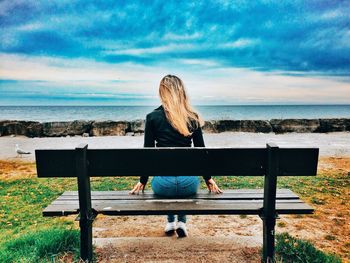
column 241, row 112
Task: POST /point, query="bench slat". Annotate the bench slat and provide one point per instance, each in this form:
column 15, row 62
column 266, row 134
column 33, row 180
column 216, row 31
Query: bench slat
column 227, row 191
column 228, row 194
column 116, row 202
column 152, row 196
column 196, row 161
column 202, row 207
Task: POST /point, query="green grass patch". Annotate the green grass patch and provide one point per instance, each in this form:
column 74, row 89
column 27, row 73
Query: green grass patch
column 42, row 246
column 293, row 250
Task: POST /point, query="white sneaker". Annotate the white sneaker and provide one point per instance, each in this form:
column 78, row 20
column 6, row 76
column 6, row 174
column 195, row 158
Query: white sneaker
column 170, row 228
column 181, row 230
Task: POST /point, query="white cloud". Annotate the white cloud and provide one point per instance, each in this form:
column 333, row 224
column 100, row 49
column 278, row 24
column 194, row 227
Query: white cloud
column 198, row 62
column 177, row 37
column 205, row 82
column 30, row 26
column 241, row 43
column 332, row 14
column 151, row 50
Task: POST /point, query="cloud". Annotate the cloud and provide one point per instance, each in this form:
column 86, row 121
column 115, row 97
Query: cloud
column 264, row 35
column 151, row 50
column 120, row 46
column 31, row 79
column 240, row 43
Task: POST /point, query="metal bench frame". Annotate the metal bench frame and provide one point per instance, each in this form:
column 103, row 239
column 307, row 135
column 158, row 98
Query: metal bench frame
column 269, row 162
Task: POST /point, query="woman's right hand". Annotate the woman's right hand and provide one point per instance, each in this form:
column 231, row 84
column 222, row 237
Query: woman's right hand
column 139, row 186
column 213, row 187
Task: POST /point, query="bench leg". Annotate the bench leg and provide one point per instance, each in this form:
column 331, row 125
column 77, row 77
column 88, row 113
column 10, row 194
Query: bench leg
column 86, row 239
column 86, row 215
column 269, row 240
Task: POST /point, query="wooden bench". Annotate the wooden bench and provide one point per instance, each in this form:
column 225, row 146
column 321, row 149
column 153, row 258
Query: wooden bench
column 270, row 162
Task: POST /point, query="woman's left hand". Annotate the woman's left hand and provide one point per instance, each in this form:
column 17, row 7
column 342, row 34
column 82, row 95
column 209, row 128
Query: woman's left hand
column 213, row 187
column 139, row 186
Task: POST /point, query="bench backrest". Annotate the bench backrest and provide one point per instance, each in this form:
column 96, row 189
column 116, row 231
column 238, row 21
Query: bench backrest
column 176, row 161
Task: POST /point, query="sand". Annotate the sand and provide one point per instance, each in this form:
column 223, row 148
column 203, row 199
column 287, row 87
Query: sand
column 330, row 144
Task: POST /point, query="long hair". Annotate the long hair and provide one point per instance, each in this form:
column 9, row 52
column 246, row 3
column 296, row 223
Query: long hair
column 177, row 107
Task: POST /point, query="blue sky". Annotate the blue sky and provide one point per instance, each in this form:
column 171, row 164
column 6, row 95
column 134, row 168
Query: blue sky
column 227, row 52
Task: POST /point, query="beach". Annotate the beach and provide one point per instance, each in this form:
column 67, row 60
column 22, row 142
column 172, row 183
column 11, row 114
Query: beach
column 330, row 144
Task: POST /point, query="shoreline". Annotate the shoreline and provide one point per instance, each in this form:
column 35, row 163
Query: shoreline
column 136, row 127
column 336, row 144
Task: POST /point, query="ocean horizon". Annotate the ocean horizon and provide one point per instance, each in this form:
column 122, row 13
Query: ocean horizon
column 208, row 112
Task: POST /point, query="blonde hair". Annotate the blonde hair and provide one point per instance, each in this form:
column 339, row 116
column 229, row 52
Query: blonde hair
column 177, row 107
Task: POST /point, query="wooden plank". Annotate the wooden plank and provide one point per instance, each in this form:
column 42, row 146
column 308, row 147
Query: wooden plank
column 60, row 210
column 202, row 194
column 160, row 161
column 132, row 202
column 198, row 196
column 151, row 196
column 194, row 161
column 298, row 161
column 157, row 161
column 195, row 208
column 55, row 163
column 201, row 191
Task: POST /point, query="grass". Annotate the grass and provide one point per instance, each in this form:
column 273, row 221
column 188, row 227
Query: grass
column 293, row 250
column 42, row 246
column 22, row 202
column 22, row 199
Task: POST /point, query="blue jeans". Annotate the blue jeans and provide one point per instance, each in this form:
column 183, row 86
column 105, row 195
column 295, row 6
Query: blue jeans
column 175, row 186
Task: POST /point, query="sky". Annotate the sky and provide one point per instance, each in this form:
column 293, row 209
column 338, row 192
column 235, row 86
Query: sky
column 227, row 52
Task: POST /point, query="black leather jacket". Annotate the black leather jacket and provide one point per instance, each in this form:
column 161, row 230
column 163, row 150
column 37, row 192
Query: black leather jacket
column 160, row 133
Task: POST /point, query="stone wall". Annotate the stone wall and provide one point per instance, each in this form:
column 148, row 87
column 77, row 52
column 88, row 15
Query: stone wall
column 108, row 128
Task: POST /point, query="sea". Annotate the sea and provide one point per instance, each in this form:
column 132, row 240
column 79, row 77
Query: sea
column 212, row 112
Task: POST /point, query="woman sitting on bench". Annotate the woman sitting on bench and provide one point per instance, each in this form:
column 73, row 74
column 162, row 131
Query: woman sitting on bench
column 174, row 124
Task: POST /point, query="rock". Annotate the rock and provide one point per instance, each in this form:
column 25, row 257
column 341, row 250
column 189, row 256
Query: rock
column 2, row 127
column 12, row 135
column 80, row 127
column 15, row 127
column 137, row 126
column 103, row 128
column 237, row 126
column 209, row 126
column 34, row 129
column 55, row 129
column 227, row 125
column 27, row 128
column 295, row 125
column 255, row 126
column 334, row 125
column 138, row 134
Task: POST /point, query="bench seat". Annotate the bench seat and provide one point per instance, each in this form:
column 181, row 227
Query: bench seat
column 240, row 201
